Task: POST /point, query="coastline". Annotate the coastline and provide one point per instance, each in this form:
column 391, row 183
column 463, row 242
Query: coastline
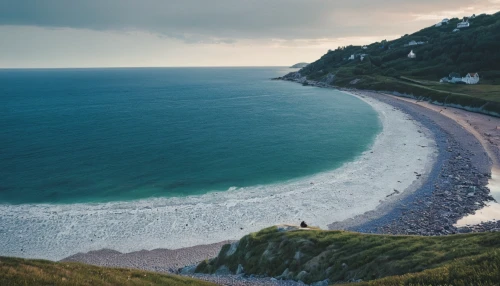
column 36, row 230
column 456, row 186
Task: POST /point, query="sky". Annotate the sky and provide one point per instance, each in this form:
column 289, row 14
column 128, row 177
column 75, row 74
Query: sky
column 172, row 33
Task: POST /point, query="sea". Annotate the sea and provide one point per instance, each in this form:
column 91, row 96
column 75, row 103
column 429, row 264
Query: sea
column 122, row 134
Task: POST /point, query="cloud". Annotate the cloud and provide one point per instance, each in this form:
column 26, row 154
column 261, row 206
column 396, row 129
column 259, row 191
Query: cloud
column 225, row 21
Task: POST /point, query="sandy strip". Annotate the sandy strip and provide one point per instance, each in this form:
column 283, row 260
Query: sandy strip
column 401, row 151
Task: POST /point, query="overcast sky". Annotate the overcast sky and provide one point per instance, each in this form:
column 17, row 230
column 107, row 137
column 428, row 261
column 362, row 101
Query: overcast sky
column 119, row 33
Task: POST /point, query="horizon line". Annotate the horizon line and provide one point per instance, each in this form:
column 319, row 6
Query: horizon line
column 135, row 67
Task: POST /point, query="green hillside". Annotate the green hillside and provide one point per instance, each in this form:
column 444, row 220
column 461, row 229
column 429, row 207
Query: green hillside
column 386, row 66
column 16, row 271
column 316, row 255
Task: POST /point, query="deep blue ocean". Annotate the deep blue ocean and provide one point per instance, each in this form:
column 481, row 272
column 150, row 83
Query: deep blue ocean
column 100, row 135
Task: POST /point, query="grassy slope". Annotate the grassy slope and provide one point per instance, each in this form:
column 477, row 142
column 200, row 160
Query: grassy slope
column 368, row 257
column 387, row 67
column 16, row 271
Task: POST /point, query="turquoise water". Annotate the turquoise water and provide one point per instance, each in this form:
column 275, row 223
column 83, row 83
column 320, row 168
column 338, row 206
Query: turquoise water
column 99, row 135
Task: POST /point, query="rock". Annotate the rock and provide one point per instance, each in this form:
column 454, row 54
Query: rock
column 232, row 249
column 223, row 270
column 285, row 274
column 188, row 270
column 302, row 275
column 321, row 283
column 274, row 279
column 303, row 224
column 297, row 255
column 240, row 270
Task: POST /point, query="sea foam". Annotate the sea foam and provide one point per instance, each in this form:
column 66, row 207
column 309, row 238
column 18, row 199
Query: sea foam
column 57, row 231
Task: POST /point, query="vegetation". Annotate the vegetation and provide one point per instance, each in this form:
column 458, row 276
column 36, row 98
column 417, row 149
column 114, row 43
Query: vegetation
column 299, row 65
column 386, row 66
column 316, row 255
column 16, row 271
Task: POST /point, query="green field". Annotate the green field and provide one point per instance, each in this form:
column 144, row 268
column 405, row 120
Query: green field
column 16, row 271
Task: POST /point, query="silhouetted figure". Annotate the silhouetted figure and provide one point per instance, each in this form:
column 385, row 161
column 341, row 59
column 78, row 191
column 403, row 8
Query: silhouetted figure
column 303, row 224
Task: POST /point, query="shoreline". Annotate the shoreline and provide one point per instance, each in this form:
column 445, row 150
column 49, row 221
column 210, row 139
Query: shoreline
column 410, row 212
column 170, row 223
column 456, row 187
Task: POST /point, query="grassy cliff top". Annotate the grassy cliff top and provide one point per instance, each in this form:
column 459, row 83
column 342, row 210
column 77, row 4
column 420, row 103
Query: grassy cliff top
column 16, row 271
column 316, row 255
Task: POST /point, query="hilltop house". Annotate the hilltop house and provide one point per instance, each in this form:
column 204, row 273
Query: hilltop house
column 364, row 47
column 443, row 22
column 456, row 30
column 463, row 24
column 351, row 57
column 412, row 55
column 471, row 78
column 362, row 57
column 414, row 43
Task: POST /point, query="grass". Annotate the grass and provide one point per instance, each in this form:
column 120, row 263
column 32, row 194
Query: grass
column 17, row 271
column 317, row 255
column 479, row 98
column 483, row 90
column 478, row 270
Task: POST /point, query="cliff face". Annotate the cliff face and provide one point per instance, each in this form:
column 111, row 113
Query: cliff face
column 336, row 256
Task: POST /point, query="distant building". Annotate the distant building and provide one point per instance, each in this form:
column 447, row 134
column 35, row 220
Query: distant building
column 412, row 55
column 351, row 57
column 412, row 43
column 438, row 24
column 456, row 30
column 364, row 47
column 471, row 78
column 362, row 57
column 463, row 24
column 445, row 21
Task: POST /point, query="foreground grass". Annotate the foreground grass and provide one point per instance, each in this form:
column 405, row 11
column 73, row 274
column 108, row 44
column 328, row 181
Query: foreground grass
column 310, row 256
column 16, row 271
column 478, row 270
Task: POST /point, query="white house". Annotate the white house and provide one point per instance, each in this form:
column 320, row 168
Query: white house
column 463, row 24
column 364, row 47
column 456, row 30
column 362, row 57
column 351, row 57
column 438, row 24
column 412, row 43
column 471, row 78
column 412, row 55
column 445, row 21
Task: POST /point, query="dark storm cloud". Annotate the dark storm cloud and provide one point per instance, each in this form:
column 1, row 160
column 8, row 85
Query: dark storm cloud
column 199, row 20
